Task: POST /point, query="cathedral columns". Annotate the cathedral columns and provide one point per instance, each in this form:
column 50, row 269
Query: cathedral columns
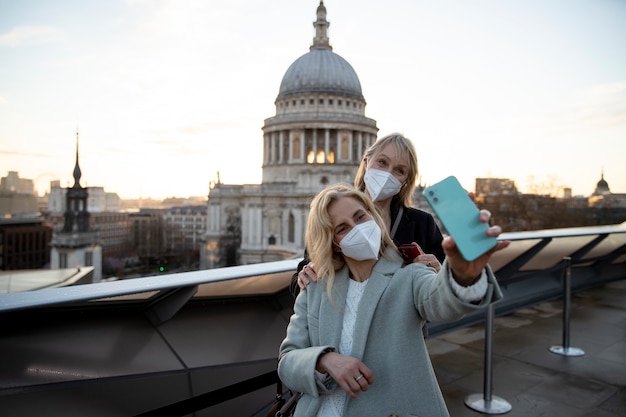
column 326, row 145
column 314, row 148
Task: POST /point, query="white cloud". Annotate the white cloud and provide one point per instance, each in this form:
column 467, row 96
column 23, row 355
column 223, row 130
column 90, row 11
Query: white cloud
column 31, row 35
column 599, row 107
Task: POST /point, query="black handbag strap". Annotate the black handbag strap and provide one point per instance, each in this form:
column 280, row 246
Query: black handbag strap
column 279, row 387
column 289, row 407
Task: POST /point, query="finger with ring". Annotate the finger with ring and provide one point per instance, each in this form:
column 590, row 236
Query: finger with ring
column 358, row 378
column 428, row 263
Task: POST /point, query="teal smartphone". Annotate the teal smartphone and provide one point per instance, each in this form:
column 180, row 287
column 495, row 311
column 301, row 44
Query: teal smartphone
column 460, row 217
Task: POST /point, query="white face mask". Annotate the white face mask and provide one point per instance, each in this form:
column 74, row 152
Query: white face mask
column 362, row 242
column 381, row 184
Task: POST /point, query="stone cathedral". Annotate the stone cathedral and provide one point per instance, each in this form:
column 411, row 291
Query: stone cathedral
column 317, row 137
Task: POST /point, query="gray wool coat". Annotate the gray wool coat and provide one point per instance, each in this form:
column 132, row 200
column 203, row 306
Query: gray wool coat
column 388, row 338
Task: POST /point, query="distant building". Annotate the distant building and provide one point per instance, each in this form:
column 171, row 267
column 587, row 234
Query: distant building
column 317, row 137
column 173, row 202
column 98, row 201
column 147, row 235
column 24, row 244
column 17, row 197
column 76, row 243
column 113, row 232
column 142, row 203
column 185, row 227
column 13, row 205
column 494, row 186
column 519, row 212
column 602, row 187
column 14, row 184
column 602, row 196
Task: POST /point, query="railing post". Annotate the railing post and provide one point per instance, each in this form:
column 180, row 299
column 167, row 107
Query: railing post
column 487, row 403
column 565, row 349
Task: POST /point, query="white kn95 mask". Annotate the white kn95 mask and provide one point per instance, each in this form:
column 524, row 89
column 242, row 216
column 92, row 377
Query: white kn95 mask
column 381, row 184
column 362, row 242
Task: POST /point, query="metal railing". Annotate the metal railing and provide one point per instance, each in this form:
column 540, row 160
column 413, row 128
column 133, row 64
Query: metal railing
column 529, row 271
column 512, row 270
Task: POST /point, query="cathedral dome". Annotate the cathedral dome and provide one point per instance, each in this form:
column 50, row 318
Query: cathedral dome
column 602, row 187
column 320, row 130
column 320, row 71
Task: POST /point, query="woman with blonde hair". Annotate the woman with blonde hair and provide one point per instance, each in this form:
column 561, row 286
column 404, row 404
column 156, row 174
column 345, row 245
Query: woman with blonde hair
column 354, row 345
column 388, row 175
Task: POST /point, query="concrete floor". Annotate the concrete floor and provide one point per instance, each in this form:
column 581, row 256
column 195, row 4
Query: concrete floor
column 527, row 375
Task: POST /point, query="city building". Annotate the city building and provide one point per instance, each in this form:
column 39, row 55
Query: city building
column 14, row 184
column 317, row 137
column 185, row 228
column 515, row 211
column 494, row 186
column 17, row 197
column 76, row 243
column 98, row 201
column 24, row 244
column 147, row 237
column 114, row 233
column 18, row 205
column 602, row 196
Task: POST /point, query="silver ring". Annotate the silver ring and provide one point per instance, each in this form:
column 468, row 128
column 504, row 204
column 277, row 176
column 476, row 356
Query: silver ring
column 358, row 378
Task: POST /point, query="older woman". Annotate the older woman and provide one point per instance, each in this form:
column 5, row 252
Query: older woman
column 354, row 346
column 388, row 175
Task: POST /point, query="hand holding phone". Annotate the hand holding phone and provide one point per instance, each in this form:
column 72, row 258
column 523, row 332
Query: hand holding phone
column 409, row 252
column 460, row 217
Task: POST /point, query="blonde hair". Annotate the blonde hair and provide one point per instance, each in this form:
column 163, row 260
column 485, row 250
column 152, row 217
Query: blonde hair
column 403, row 146
column 320, row 231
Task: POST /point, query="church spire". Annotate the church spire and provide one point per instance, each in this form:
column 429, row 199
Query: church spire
column 321, row 41
column 76, row 214
column 77, row 172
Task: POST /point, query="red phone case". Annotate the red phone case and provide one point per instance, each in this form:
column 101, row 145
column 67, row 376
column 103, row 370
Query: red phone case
column 409, row 252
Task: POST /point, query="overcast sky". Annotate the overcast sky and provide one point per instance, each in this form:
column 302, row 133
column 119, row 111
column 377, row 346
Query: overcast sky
column 165, row 93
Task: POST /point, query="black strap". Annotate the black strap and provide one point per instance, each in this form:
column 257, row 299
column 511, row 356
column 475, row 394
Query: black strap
column 397, row 222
